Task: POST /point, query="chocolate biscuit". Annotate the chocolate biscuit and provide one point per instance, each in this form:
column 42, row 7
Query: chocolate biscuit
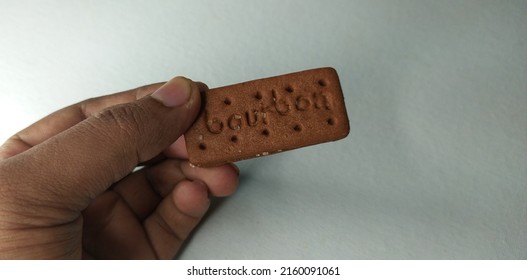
column 266, row 116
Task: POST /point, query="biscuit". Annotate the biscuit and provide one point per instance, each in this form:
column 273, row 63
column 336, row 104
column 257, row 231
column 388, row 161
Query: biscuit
column 267, row 116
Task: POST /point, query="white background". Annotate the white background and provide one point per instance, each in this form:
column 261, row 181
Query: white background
column 435, row 165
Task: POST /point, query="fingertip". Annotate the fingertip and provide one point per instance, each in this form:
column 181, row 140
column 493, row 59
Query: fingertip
column 192, row 198
column 221, row 180
column 176, row 92
column 178, row 149
column 195, row 97
column 236, row 169
column 202, row 86
column 227, row 180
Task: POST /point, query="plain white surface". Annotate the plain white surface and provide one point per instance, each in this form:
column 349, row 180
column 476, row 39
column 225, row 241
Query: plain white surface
column 436, row 162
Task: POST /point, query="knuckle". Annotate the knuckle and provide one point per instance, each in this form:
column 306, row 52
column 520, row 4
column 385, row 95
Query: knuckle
column 6, row 184
column 130, row 119
column 11, row 198
column 127, row 126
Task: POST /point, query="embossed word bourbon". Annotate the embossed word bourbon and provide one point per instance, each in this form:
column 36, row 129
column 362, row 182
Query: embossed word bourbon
column 266, row 116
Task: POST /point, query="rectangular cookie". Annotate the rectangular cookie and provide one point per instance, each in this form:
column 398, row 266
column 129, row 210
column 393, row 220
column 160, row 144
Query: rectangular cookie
column 266, row 116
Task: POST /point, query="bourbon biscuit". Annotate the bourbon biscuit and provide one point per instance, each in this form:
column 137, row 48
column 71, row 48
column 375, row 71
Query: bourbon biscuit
column 267, row 116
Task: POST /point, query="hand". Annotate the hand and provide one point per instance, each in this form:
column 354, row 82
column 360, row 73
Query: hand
column 68, row 190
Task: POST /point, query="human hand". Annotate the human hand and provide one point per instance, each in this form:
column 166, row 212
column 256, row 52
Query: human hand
column 68, row 190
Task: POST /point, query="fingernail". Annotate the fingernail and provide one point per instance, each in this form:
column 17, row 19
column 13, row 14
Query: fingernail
column 174, row 93
column 236, row 169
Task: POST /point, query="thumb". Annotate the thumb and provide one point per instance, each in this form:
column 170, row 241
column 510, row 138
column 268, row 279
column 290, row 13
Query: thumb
column 75, row 166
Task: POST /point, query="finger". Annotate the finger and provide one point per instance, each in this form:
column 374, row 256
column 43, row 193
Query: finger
column 143, row 190
column 177, row 215
column 66, row 118
column 136, row 191
column 111, row 231
column 220, row 181
column 71, row 115
column 202, row 87
column 179, row 149
column 105, row 147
